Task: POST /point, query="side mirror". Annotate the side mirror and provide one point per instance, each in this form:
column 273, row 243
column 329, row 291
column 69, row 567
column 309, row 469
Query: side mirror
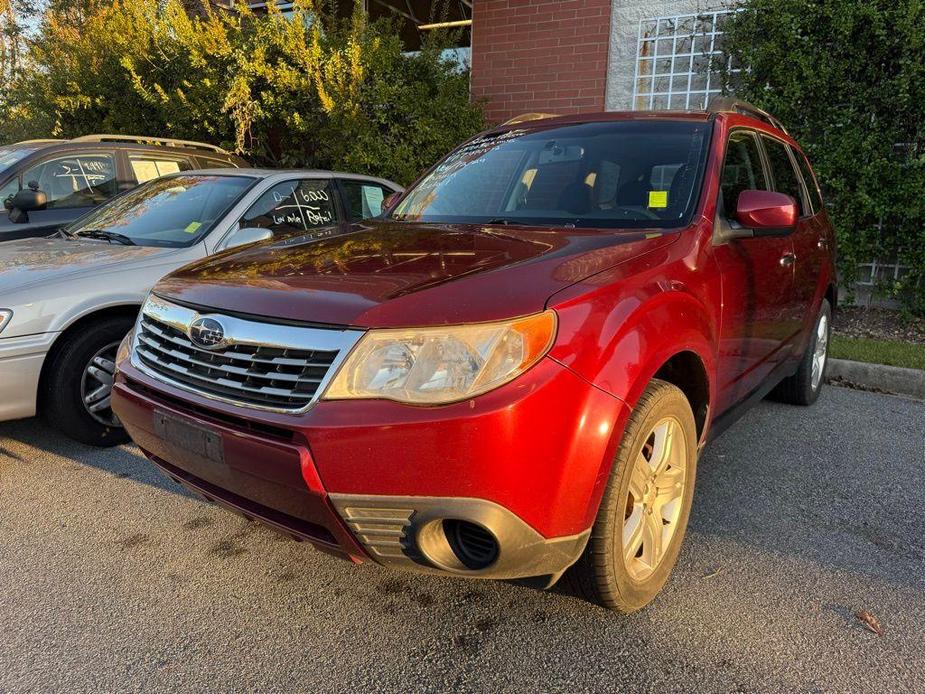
column 30, row 200
column 246, row 236
column 766, row 213
column 390, row 201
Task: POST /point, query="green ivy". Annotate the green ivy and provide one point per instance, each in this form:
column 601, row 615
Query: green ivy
column 847, row 78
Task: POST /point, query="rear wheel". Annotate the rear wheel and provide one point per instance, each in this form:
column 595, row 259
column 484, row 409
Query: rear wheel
column 643, row 515
column 77, row 389
column 804, row 386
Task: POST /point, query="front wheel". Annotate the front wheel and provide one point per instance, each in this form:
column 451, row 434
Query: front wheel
column 642, row 519
column 77, row 388
column 804, row 386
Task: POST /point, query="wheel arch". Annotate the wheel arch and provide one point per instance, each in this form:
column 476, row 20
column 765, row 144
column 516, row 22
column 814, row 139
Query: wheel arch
column 128, row 310
column 669, row 335
column 686, row 371
column 831, row 293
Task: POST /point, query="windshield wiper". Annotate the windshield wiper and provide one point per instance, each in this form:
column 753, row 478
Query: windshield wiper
column 107, row 236
column 503, row 221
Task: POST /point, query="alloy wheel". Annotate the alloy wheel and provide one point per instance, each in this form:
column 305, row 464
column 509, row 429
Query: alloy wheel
column 654, row 498
column 96, row 386
column 821, row 350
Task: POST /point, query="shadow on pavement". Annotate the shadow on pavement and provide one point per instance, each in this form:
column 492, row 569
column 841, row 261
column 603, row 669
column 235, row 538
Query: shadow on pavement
column 837, row 484
column 122, row 461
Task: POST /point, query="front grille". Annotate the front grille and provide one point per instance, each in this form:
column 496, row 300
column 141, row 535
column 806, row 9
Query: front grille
column 274, row 377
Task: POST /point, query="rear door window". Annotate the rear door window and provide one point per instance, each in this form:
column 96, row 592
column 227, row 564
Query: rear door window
column 293, row 206
column 83, row 180
column 815, row 197
column 742, row 169
column 146, row 167
column 363, row 199
column 783, row 174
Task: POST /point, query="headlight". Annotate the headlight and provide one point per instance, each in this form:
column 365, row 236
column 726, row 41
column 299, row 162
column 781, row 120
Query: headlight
column 5, row 316
column 433, row 366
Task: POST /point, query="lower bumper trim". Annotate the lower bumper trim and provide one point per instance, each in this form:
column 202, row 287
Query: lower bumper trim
column 405, row 532
column 293, row 527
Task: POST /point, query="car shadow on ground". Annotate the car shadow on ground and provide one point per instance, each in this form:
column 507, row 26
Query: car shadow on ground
column 833, row 485
column 124, row 461
column 812, row 483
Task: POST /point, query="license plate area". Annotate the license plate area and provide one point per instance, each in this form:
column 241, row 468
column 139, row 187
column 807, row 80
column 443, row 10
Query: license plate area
column 189, row 437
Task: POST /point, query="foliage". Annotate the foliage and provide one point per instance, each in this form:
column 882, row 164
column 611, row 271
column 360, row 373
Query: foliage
column 847, row 77
column 313, row 90
column 906, row 354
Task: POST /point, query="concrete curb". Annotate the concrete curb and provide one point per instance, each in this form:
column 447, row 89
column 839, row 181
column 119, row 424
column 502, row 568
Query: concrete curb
column 877, row 377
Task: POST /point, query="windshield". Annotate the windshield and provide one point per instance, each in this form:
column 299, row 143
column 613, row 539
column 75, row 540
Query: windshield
column 174, row 211
column 627, row 174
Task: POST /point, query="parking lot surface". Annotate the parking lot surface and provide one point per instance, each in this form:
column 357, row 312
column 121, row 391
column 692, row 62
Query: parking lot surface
column 114, row 579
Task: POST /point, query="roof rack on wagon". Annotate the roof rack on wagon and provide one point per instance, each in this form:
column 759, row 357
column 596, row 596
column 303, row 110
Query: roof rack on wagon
column 139, row 140
column 729, row 104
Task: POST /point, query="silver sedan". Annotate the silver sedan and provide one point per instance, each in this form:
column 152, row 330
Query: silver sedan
column 67, row 300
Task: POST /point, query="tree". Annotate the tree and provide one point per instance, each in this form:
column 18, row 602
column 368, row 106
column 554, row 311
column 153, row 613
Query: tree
column 312, row 90
column 847, row 78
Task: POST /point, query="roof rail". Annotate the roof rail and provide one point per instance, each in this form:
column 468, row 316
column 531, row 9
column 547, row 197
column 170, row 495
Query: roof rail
column 729, row 104
column 140, row 140
column 524, row 117
column 37, row 141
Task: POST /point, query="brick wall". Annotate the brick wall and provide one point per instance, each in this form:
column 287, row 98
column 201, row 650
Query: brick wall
column 540, row 55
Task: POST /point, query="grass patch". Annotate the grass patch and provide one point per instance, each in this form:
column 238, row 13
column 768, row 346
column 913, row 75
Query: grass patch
column 906, row 354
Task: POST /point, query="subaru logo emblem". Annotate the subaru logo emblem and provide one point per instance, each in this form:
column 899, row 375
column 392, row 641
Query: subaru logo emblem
column 207, row 333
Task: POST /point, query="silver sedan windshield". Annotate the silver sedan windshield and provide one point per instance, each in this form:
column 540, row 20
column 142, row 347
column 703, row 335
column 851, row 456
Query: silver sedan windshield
column 172, row 211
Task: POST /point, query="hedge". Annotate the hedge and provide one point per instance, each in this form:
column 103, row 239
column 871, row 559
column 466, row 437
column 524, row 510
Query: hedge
column 847, row 78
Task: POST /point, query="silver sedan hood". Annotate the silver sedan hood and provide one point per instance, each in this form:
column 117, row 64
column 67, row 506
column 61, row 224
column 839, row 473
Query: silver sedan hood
column 30, row 261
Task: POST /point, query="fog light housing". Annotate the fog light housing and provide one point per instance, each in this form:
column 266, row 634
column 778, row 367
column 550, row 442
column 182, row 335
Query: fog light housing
column 458, row 545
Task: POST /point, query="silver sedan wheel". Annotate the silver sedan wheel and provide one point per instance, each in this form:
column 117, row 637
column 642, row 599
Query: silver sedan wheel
column 96, row 386
column 821, row 350
column 654, row 498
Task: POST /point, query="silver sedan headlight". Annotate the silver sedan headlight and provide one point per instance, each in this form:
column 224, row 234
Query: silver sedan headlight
column 5, row 316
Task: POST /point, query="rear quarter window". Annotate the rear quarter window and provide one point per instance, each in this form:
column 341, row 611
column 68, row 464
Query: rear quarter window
column 215, row 163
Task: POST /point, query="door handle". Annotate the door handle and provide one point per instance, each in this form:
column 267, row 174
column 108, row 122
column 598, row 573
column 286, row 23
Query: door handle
column 787, row 259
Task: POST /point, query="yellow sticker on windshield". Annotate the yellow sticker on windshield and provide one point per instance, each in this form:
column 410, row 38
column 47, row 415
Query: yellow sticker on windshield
column 658, row 199
column 193, row 226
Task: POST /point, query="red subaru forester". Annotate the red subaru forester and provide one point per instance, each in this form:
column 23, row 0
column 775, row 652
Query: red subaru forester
column 511, row 372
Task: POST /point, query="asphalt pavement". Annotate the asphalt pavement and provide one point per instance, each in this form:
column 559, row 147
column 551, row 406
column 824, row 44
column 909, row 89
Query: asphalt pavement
column 113, row 579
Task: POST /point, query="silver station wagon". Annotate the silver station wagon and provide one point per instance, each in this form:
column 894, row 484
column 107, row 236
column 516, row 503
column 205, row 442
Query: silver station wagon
column 66, row 301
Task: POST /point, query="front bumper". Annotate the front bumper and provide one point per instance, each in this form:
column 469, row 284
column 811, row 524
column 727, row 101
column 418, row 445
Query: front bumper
column 21, row 360
column 376, row 479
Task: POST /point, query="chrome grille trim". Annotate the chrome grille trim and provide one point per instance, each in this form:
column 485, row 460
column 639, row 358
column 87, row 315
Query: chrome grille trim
column 263, row 366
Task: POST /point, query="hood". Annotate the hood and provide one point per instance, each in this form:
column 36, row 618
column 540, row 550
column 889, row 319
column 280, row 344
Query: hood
column 30, row 261
column 389, row 274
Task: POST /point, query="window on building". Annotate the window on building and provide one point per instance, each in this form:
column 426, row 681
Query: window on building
column 676, row 61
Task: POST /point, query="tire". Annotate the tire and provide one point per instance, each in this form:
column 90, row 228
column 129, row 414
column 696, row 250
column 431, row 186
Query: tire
column 803, row 387
column 69, row 379
column 602, row 574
